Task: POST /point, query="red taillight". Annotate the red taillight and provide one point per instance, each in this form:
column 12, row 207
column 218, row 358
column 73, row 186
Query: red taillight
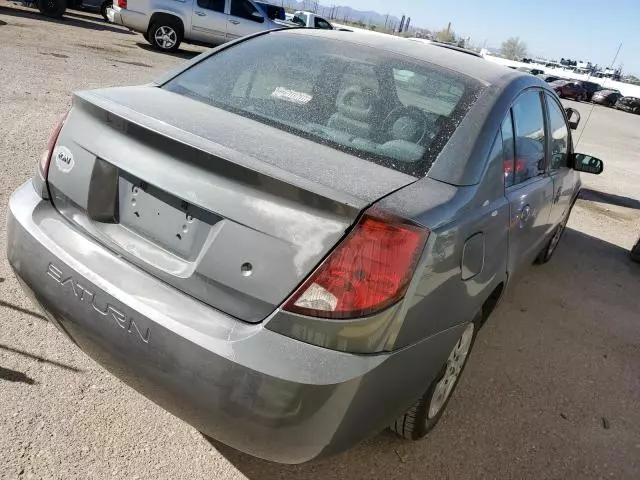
column 122, row 3
column 521, row 166
column 370, row 270
column 45, row 159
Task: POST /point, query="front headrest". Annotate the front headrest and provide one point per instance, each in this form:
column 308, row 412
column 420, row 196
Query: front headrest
column 356, row 103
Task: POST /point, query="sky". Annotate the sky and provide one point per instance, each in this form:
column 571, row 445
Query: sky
column 587, row 30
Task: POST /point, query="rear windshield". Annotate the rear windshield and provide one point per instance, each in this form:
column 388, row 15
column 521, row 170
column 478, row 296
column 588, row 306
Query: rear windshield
column 374, row 104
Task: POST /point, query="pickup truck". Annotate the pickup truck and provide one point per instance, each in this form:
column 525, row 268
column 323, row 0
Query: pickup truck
column 166, row 23
column 307, row 19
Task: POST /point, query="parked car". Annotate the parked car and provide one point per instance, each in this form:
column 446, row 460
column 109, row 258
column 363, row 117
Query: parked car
column 307, row 19
column 549, row 78
column 97, row 5
column 590, row 87
column 531, row 71
column 629, row 104
column 427, row 41
column 293, row 255
column 200, row 21
column 569, row 89
column 607, row 98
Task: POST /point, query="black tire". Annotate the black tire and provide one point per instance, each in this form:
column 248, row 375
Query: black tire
column 52, row 8
column 551, row 246
column 173, row 30
column 103, row 9
column 416, row 422
column 635, row 252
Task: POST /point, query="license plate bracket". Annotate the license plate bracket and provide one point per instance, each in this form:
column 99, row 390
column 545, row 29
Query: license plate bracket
column 162, row 218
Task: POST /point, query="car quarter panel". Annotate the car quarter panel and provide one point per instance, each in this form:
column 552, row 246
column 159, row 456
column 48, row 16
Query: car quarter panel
column 464, row 221
column 255, row 390
column 138, row 13
column 442, row 298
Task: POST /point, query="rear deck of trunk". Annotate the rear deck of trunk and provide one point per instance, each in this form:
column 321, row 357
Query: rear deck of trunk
column 214, row 204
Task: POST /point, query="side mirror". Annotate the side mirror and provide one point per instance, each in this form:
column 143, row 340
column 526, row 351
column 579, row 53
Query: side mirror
column 587, row 164
column 574, row 117
column 257, row 17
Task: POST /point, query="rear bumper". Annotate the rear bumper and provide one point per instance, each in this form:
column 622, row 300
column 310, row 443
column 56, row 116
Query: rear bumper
column 134, row 20
column 255, row 390
column 113, row 16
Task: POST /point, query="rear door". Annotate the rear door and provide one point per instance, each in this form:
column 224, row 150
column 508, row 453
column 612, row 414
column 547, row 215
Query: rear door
column 527, row 188
column 244, row 19
column 563, row 177
column 209, row 21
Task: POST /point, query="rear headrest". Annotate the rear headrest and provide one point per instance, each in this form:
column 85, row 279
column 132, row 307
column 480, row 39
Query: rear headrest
column 356, row 103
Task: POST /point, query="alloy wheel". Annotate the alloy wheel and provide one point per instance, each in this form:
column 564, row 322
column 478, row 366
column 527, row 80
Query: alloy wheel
column 165, row 37
column 556, row 236
column 452, row 370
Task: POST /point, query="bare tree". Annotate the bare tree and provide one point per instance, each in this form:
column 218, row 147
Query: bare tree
column 513, row 48
column 447, row 35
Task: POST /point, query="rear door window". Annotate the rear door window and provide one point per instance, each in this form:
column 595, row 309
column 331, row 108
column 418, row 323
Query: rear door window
column 528, row 120
column 322, row 23
column 508, row 150
column 559, row 135
column 243, row 9
column 215, row 5
column 377, row 105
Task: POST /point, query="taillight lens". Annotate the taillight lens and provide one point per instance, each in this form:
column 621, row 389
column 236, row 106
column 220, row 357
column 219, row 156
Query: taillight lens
column 122, row 3
column 45, row 159
column 369, row 271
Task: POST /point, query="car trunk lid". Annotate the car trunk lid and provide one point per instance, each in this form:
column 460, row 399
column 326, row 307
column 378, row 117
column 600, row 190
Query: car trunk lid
column 222, row 207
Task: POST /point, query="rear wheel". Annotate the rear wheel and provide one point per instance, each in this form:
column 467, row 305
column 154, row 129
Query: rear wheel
column 549, row 249
column 103, row 9
column 166, row 34
column 425, row 413
column 635, row 252
column 52, row 8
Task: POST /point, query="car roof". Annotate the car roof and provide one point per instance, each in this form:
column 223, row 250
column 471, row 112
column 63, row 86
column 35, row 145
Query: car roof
column 449, row 57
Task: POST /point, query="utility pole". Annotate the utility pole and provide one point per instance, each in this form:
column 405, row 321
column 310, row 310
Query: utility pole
column 616, row 55
column 386, row 19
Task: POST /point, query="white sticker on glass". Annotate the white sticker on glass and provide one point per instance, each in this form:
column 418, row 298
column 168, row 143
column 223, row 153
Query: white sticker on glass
column 291, row 96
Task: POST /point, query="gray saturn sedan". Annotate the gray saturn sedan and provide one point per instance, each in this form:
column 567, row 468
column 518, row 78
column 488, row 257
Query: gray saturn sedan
column 292, row 255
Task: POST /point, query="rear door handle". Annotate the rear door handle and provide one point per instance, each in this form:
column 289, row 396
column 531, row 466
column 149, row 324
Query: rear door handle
column 525, row 215
column 235, row 22
column 201, row 14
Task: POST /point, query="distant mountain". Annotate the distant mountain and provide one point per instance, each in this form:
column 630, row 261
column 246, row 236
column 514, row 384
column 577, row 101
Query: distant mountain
column 340, row 13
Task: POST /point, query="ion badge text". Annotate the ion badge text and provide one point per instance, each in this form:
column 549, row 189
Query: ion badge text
column 91, row 299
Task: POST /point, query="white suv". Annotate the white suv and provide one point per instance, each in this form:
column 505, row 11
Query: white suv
column 166, row 23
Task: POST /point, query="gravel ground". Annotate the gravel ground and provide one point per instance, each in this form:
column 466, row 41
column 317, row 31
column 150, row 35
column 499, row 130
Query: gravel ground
column 552, row 389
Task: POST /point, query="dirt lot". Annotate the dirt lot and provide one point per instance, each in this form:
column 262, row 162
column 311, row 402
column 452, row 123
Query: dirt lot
column 552, row 389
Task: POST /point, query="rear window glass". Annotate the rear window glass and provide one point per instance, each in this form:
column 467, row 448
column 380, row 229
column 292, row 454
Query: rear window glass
column 373, row 104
